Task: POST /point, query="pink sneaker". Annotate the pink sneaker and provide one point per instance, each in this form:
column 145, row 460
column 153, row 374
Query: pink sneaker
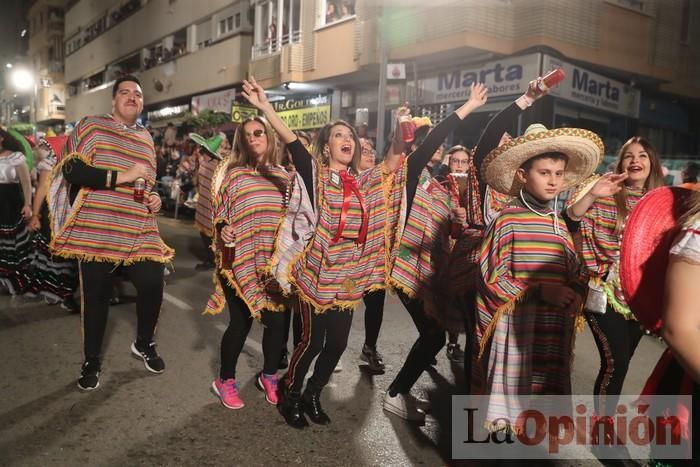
column 227, row 391
column 268, row 384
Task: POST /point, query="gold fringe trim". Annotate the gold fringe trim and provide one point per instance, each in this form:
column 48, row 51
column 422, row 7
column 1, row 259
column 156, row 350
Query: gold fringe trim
column 218, row 297
column 399, row 287
column 116, row 261
column 507, row 309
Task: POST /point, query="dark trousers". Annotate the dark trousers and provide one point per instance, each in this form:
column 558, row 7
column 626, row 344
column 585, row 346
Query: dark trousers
column 431, row 338
column 208, row 253
column 237, row 332
column 323, row 334
column 96, row 288
column 293, row 319
column 374, row 315
column 616, row 339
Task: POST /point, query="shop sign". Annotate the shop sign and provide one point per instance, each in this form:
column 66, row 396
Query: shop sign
column 219, row 101
column 240, row 112
column 593, row 90
column 304, row 113
column 168, row 112
column 509, row 76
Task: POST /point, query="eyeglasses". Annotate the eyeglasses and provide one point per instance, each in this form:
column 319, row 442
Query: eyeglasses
column 255, row 133
column 367, row 152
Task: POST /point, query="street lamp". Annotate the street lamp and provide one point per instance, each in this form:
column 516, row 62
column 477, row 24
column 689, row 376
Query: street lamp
column 22, row 80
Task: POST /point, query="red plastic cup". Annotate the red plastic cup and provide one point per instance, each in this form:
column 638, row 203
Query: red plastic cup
column 408, row 128
column 551, row 79
column 228, row 253
column 139, row 188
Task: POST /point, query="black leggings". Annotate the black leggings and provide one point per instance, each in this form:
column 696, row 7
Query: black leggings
column 208, row 253
column 431, row 338
column 293, row 319
column 616, row 339
column 237, row 332
column 374, row 315
column 96, row 289
column 323, row 334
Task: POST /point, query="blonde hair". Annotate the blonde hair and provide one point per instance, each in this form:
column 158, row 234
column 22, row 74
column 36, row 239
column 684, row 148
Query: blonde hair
column 693, row 214
column 243, row 156
column 323, row 137
column 654, row 180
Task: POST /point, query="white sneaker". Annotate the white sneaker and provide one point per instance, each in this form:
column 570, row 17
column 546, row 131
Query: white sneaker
column 339, row 367
column 403, row 406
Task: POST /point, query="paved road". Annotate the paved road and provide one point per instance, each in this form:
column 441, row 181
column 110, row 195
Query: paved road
column 136, row 418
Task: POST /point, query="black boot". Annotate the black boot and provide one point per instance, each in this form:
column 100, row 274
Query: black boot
column 289, row 406
column 284, row 361
column 311, row 403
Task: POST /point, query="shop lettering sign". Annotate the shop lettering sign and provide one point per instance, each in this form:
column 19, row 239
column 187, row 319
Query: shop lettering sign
column 593, row 90
column 504, row 77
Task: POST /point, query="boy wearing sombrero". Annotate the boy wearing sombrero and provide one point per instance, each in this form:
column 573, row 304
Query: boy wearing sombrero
column 530, row 290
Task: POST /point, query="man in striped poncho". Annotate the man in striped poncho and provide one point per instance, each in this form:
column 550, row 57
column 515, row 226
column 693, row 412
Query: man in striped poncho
column 101, row 219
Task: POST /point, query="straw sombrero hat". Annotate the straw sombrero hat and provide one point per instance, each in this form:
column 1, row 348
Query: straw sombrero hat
column 211, row 145
column 649, row 233
column 583, row 148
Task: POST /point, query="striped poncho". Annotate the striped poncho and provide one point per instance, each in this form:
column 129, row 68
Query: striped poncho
column 101, row 224
column 421, row 251
column 601, row 247
column 335, row 272
column 252, row 201
column 203, row 214
column 525, row 344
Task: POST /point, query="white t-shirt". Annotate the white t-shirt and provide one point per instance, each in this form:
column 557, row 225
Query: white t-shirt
column 687, row 243
column 8, row 164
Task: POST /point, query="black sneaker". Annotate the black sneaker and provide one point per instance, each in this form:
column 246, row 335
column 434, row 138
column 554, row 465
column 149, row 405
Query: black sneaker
column 374, row 359
column 284, row 361
column 455, row 353
column 89, row 375
column 151, row 359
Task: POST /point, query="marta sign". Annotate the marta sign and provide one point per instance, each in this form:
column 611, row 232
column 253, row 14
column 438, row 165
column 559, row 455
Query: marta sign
column 591, row 89
column 508, row 76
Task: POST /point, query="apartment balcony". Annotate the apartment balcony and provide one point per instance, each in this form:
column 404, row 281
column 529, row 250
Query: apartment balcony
column 219, row 65
column 322, row 53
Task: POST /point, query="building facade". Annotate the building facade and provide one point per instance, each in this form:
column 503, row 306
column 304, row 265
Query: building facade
column 180, row 50
column 46, row 26
column 633, row 66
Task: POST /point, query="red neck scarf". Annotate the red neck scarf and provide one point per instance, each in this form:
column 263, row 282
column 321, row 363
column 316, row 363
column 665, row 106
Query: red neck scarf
column 350, row 187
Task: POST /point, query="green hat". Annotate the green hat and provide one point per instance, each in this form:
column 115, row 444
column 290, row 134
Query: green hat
column 211, row 145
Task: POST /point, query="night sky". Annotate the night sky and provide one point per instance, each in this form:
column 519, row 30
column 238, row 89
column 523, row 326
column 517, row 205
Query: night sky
column 13, row 18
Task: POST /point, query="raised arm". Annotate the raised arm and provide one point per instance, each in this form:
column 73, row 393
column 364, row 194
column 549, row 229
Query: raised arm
column 421, row 156
column 501, row 122
column 255, row 94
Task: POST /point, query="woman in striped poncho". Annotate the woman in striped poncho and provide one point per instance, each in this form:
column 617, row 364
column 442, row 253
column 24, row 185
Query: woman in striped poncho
column 247, row 211
column 603, row 215
column 331, row 250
